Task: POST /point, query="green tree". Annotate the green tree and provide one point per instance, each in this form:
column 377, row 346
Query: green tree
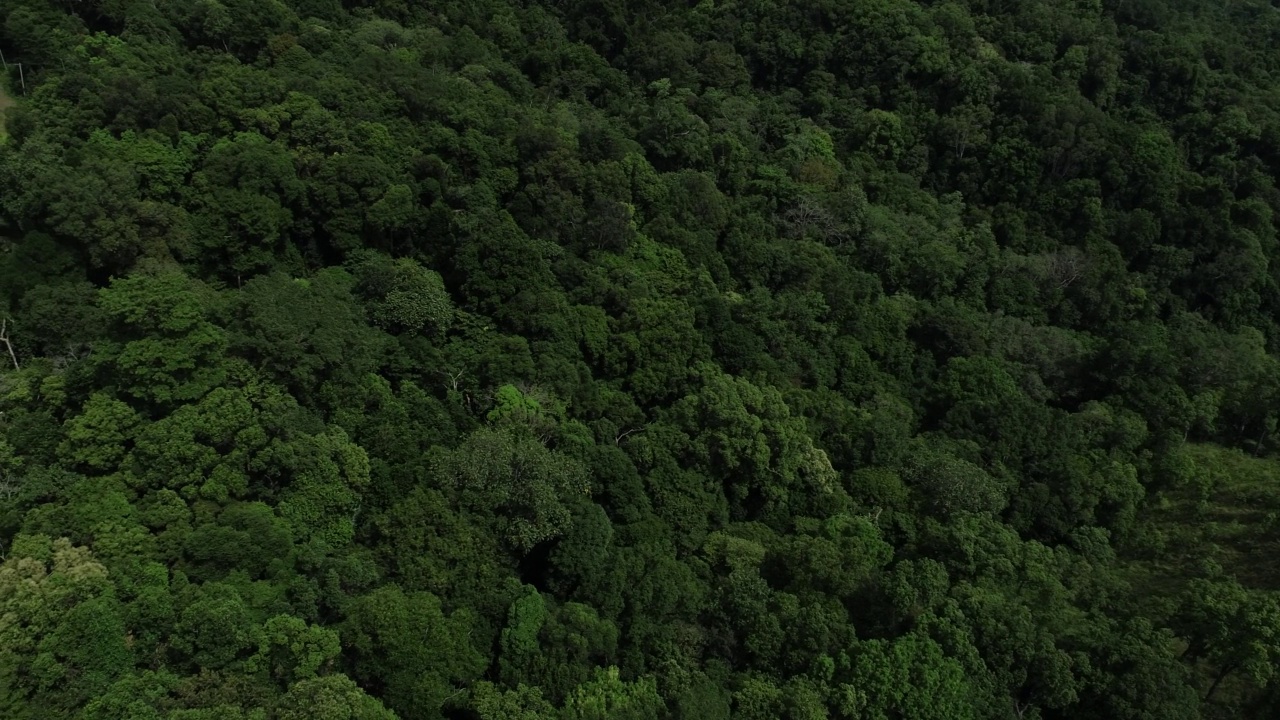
column 408, row 647
column 948, row 484
column 402, row 295
column 509, row 472
column 99, row 437
column 302, row 332
column 746, row 436
column 64, row 638
column 327, row 473
column 332, row 697
column 163, row 349
column 216, row 629
column 523, row 703
column 608, row 696
column 246, row 185
column 907, row 678
column 291, row 650
column 1231, row 627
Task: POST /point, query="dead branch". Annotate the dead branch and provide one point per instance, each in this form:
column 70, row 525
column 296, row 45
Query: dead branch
column 454, row 380
column 809, row 217
column 4, row 337
column 1066, row 266
column 623, row 435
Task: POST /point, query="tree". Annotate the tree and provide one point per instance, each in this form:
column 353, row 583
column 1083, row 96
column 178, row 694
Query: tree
column 1139, row 676
column 216, row 630
column 332, row 697
column 63, row 637
column 747, row 437
column 98, row 438
column 441, row 550
column 57, row 321
column 984, row 403
column 291, row 650
column 327, row 472
column 907, row 678
column 1231, row 627
column 406, row 646
column 509, row 472
column 403, row 296
column 580, row 564
column 554, row 647
column 246, row 185
column 163, row 349
column 948, row 484
column 608, row 696
column 834, row 557
column 302, row 332
column 524, row 703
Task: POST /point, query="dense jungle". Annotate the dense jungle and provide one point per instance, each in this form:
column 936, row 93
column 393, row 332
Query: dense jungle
column 598, row 359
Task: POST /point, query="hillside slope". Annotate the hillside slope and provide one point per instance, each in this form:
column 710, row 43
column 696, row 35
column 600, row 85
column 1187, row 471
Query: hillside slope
column 872, row 359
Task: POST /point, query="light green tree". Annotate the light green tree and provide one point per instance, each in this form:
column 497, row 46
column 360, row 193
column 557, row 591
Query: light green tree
column 62, row 636
column 509, row 472
column 609, row 697
column 402, row 295
column 332, row 697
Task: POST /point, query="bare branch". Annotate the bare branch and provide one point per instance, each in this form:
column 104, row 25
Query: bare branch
column 1065, row 267
column 809, row 216
column 623, row 435
column 453, row 380
column 4, row 338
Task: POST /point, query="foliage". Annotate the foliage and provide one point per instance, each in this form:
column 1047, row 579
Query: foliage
column 877, row 359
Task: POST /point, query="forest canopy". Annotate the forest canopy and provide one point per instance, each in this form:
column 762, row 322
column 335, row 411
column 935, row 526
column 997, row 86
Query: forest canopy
column 865, row 360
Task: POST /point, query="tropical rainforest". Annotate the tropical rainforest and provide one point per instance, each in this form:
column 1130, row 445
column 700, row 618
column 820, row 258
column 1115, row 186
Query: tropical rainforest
column 595, row 359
